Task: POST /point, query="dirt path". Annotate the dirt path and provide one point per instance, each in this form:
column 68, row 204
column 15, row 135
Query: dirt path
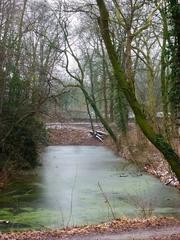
column 139, row 234
column 150, row 233
column 121, row 229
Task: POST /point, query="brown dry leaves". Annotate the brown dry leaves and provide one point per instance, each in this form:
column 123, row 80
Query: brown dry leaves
column 118, row 225
column 71, row 136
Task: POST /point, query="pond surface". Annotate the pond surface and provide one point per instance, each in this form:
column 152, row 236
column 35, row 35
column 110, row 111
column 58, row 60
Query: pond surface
column 78, row 185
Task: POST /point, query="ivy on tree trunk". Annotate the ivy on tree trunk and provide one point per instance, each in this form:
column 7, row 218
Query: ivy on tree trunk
column 174, row 10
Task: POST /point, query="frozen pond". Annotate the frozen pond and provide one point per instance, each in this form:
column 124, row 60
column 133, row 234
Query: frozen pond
column 78, row 185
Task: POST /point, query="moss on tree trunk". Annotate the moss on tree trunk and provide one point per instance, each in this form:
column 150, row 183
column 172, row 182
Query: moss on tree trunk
column 157, row 140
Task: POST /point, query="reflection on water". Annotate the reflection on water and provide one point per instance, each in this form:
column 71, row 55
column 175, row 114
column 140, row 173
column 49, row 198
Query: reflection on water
column 73, row 185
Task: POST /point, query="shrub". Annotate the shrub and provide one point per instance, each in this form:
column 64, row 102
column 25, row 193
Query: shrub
column 20, row 148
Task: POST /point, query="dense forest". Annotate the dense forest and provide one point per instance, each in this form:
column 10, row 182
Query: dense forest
column 110, row 59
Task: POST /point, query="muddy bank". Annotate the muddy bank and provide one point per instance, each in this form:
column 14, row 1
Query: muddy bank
column 72, row 136
column 135, row 147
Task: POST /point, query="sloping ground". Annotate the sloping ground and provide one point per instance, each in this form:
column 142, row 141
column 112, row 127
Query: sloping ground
column 122, row 229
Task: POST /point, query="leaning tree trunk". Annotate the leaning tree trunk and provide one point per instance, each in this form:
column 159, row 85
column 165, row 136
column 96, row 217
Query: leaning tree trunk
column 157, row 140
column 98, row 114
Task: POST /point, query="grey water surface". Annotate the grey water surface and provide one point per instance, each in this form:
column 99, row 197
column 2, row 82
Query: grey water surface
column 79, row 185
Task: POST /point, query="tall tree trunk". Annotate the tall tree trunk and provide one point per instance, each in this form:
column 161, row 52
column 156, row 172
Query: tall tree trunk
column 20, row 34
column 157, row 140
column 174, row 8
column 2, row 81
column 89, row 114
column 164, row 75
column 151, row 101
column 104, row 85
